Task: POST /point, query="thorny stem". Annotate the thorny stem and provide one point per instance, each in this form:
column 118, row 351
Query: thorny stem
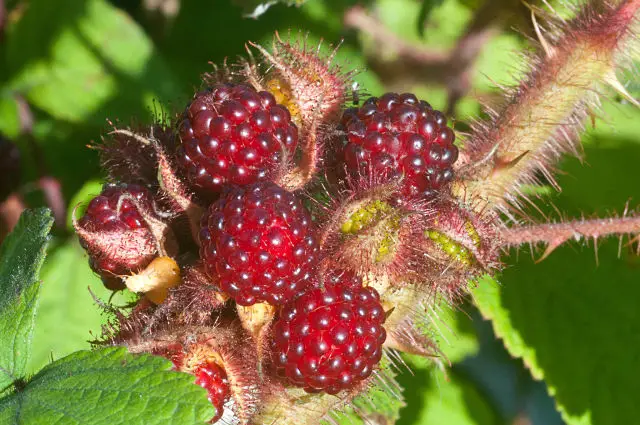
column 555, row 234
column 544, row 116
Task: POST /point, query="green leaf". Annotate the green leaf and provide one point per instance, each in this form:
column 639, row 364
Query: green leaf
column 457, row 337
column 68, row 315
column 433, row 398
column 21, row 256
column 72, row 61
column 108, row 386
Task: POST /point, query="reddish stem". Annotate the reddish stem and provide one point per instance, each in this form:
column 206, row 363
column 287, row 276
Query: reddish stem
column 555, row 234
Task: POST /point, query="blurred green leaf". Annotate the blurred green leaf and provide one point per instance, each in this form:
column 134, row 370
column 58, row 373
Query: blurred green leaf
column 433, row 398
column 70, row 61
column 456, row 336
column 21, row 257
column 69, row 316
column 425, row 11
column 444, row 25
column 105, row 387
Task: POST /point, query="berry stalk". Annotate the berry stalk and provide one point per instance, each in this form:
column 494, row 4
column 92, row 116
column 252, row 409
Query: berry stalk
column 544, row 115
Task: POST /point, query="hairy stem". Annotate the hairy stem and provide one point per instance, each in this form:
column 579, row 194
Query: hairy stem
column 555, row 234
column 543, row 117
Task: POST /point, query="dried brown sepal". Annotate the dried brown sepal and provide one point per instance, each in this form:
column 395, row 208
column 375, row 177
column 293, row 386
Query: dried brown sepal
column 311, row 86
column 171, row 186
column 127, row 157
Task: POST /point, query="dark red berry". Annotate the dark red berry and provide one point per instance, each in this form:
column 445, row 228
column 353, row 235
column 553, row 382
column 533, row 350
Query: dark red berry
column 329, row 339
column 259, row 243
column 115, row 234
column 10, row 168
column 213, row 378
column 233, row 134
column 209, row 375
column 398, row 134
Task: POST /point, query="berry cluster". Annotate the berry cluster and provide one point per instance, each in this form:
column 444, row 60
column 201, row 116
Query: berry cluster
column 234, row 218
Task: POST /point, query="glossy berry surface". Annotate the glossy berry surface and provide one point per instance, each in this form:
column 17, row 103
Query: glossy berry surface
column 213, row 378
column 233, row 134
column 114, row 212
column 400, row 135
column 329, row 339
column 259, row 243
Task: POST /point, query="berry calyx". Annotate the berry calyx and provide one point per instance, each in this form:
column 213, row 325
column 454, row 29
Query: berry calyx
column 115, row 233
column 258, row 241
column 398, row 135
column 329, row 339
column 233, row 134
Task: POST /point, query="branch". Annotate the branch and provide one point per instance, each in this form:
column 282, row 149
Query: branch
column 555, row 234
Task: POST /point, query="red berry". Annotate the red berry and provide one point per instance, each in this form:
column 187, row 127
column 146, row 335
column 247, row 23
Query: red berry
column 209, row 375
column 331, row 339
column 398, row 134
column 258, row 241
column 213, row 378
column 115, row 234
column 233, row 134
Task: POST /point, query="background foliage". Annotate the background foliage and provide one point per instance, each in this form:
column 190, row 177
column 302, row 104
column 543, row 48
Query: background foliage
column 572, row 321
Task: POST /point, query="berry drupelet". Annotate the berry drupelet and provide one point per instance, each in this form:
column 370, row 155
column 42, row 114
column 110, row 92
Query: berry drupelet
column 329, row 339
column 259, row 243
column 400, row 135
column 233, row 134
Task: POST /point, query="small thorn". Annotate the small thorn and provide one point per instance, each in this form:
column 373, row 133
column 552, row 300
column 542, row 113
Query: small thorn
column 550, row 248
column 548, row 49
column 613, row 81
column 501, row 163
